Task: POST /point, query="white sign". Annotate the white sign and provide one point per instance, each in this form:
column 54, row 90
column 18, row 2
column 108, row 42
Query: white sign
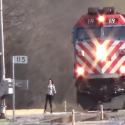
column 20, row 59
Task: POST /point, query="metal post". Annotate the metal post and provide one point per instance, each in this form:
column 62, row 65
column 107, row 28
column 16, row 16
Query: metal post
column 65, row 106
column 13, row 76
column 73, row 117
column 2, row 42
column 101, row 107
column 2, row 45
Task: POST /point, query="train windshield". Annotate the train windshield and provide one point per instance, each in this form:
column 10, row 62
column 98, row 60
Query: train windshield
column 114, row 32
column 88, row 33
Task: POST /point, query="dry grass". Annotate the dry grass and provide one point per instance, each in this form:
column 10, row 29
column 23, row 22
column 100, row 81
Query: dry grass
column 61, row 107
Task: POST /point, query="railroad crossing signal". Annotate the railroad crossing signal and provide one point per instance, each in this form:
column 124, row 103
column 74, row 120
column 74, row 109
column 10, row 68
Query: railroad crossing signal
column 22, row 84
column 16, row 60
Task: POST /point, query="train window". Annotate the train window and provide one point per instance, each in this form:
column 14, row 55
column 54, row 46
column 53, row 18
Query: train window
column 115, row 32
column 87, row 33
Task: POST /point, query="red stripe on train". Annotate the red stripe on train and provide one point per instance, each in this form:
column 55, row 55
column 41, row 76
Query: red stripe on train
column 87, row 63
column 93, row 57
column 113, row 64
column 114, row 51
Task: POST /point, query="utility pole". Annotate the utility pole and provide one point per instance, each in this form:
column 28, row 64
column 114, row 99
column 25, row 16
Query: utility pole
column 2, row 42
column 2, row 49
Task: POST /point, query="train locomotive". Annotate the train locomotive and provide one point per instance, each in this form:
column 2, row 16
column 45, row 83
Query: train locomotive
column 99, row 59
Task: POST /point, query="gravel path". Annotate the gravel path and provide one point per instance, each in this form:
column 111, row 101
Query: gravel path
column 80, row 117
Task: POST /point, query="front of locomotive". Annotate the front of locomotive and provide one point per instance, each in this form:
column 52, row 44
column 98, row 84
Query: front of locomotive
column 100, row 56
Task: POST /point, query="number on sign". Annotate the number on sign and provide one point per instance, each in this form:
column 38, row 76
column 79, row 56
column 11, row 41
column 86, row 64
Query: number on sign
column 112, row 20
column 23, row 59
column 20, row 59
column 90, row 21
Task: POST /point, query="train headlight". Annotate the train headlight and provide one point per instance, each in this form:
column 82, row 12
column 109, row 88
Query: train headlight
column 122, row 69
column 101, row 52
column 80, row 70
column 101, row 18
